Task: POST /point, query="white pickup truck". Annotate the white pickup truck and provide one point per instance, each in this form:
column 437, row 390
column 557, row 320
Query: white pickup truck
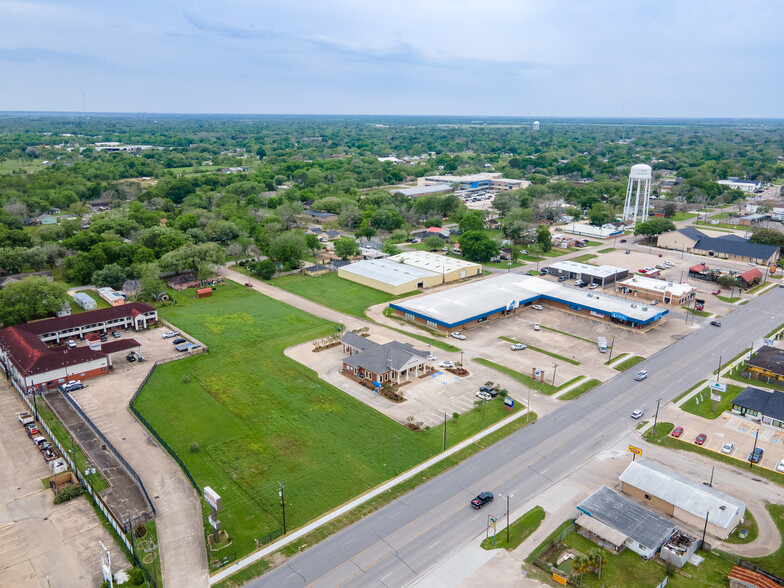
column 25, row 418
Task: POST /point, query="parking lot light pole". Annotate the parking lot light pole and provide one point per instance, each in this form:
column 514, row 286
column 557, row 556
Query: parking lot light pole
column 444, row 449
column 508, row 522
column 753, row 451
column 656, row 416
column 555, row 369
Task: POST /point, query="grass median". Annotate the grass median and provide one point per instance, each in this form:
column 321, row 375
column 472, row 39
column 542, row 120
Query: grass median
column 519, row 531
column 580, row 390
column 527, row 381
column 542, row 351
column 628, row 363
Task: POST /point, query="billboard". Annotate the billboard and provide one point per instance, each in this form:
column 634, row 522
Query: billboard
column 717, row 387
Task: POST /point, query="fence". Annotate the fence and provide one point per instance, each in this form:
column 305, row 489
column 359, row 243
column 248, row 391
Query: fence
column 223, row 561
column 267, row 538
column 739, row 561
column 116, row 454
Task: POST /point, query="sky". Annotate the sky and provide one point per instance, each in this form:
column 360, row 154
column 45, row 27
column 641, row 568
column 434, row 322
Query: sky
column 669, row 58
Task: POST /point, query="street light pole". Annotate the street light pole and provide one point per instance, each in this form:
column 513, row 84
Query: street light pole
column 555, row 369
column 508, row 522
column 656, row 416
column 282, row 505
column 444, row 449
column 718, row 372
column 751, row 461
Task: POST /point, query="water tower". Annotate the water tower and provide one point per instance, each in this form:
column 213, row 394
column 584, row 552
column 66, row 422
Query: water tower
column 639, row 185
column 536, row 125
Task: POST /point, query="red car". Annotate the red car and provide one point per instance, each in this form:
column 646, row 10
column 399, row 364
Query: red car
column 700, row 438
column 677, row 432
column 716, row 292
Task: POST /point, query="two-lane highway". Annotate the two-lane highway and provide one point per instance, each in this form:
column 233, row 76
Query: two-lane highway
column 398, row 543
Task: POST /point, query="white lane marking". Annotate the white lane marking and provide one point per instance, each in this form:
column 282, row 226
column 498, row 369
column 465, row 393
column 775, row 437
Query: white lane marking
column 434, row 544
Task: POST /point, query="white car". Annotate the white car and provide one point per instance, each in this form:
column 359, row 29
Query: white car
column 780, row 467
column 169, row 334
column 537, row 307
column 536, row 326
column 431, row 357
column 483, row 395
column 518, row 346
column 641, row 375
column 593, row 286
column 447, row 364
column 578, row 282
column 727, row 447
column 71, row 343
column 636, row 414
column 458, row 335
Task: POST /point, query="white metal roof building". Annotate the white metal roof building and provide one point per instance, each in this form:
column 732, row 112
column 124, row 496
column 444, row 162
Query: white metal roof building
column 474, row 303
column 685, row 499
column 389, row 276
column 587, row 230
column 592, row 274
column 450, row 268
column 424, row 190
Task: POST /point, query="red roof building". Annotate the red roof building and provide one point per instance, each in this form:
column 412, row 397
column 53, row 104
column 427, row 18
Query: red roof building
column 26, row 357
column 748, row 278
column 742, row 578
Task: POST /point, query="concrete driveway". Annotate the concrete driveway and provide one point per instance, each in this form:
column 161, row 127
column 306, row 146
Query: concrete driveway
column 179, row 521
column 37, row 537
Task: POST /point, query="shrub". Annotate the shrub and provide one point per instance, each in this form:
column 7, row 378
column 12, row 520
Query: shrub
column 455, row 415
column 68, row 493
column 136, row 577
column 194, row 447
column 503, row 393
column 186, row 378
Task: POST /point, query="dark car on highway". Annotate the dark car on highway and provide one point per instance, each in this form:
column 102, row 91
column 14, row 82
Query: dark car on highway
column 482, row 499
column 715, row 323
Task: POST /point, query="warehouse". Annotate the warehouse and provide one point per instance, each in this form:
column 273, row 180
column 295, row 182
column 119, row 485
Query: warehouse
column 450, row 268
column 389, row 276
column 660, row 291
column 472, row 304
column 685, row 499
column 733, row 247
column 590, row 274
column 418, row 191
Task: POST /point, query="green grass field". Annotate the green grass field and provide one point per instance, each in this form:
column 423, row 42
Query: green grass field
column 682, row 216
column 259, row 417
column 608, row 250
column 335, row 292
column 76, row 309
column 705, row 406
column 9, row 166
column 519, row 531
column 584, row 258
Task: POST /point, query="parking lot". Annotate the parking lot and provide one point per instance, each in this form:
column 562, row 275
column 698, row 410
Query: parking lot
column 729, row 428
column 39, row 539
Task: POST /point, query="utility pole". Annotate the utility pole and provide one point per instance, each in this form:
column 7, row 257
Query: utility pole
column 555, row 369
column 718, row 372
column 756, row 436
column 528, row 414
column 704, row 530
column 444, row 448
column 508, row 522
column 461, row 359
column 612, row 344
column 656, row 416
column 710, row 484
column 282, row 505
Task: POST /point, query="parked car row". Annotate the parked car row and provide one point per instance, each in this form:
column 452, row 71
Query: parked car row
column 755, row 456
column 28, row 422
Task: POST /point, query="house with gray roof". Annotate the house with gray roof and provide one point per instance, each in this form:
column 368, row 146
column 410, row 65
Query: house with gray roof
column 685, row 499
column 392, row 362
column 734, row 247
column 766, row 406
column 613, row 520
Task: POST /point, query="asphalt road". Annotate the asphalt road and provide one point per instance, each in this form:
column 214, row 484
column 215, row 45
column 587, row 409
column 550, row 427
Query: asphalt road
column 397, row 544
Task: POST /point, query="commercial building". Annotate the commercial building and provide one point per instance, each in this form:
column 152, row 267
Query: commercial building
column 501, row 296
column 486, row 180
column 733, row 247
column 32, row 364
column 616, row 521
column 660, row 291
column 418, row 191
column 590, row 274
column 766, row 365
column 389, row 276
column 392, row 362
column 751, row 220
column 743, row 185
column 451, row 269
column 680, row 497
column 764, row 406
column 112, row 297
column 749, row 278
column 586, row 230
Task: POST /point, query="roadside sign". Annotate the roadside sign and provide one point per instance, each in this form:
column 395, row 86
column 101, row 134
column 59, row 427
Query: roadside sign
column 491, row 522
column 769, row 342
column 212, row 498
column 560, row 579
column 715, row 397
column 635, row 450
column 509, row 401
column 717, row 386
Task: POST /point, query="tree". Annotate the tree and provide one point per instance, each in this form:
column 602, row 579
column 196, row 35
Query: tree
column 581, row 564
column 727, row 281
column 767, row 237
column 345, row 247
column 505, row 202
column 478, row 246
column 389, row 248
column 669, row 210
column 200, row 257
column 599, row 215
column 473, row 220
column 313, row 242
column 544, row 238
column 289, row 249
column 150, row 283
column 654, row 226
column 111, row 275
column 433, row 243
column 265, row 269
column 30, row 299
column 349, row 215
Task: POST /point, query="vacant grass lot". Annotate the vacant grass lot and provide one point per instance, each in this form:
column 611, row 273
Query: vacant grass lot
column 705, row 406
column 335, row 292
column 258, row 417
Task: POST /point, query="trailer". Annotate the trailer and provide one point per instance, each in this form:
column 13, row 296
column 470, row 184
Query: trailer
column 25, row 418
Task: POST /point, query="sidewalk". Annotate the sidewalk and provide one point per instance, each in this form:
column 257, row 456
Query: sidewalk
column 226, row 572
